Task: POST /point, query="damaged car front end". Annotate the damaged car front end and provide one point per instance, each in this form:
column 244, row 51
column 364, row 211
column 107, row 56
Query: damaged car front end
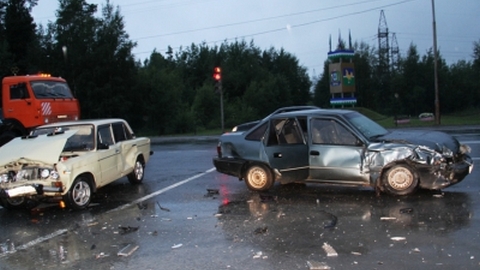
column 29, row 171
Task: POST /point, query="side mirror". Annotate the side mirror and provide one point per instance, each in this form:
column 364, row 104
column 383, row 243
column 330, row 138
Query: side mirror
column 102, row 146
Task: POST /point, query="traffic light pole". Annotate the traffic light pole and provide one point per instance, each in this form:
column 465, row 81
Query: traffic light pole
column 221, row 106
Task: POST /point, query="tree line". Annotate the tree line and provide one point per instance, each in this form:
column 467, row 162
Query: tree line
column 174, row 92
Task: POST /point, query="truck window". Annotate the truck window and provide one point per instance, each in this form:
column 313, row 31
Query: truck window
column 50, row 89
column 18, row 91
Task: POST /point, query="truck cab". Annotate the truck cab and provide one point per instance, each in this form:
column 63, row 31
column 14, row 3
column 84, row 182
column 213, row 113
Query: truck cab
column 33, row 100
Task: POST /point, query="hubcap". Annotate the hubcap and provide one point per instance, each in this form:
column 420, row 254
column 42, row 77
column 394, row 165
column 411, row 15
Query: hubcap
column 81, row 193
column 257, row 178
column 400, row 178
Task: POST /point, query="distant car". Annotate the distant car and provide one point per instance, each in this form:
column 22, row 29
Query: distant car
column 341, row 147
column 69, row 161
column 249, row 125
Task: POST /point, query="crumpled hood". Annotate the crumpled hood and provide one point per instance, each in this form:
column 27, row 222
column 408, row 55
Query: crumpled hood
column 44, row 148
column 433, row 139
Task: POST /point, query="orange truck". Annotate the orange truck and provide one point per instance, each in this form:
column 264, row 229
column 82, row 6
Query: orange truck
column 29, row 101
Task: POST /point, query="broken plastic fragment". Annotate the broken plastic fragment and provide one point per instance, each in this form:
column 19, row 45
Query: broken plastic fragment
column 329, row 250
column 398, row 238
column 388, row 218
column 258, row 255
column 127, row 250
column 128, row 229
column 177, row 246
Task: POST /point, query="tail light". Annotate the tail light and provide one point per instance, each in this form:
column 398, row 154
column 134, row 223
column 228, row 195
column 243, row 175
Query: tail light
column 219, row 149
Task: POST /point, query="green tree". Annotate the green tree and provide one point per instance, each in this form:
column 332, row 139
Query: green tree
column 19, row 33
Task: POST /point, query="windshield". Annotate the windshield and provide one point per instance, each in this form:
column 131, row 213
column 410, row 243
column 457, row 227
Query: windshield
column 369, row 128
column 50, row 89
column 82, row 140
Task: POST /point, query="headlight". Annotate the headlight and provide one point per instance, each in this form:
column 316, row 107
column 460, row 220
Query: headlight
column 4, row 178
column 54, row 175
column 44, row 173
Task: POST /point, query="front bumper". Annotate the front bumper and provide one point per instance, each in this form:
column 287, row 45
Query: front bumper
column 28, row 190
column 453, row 175
column 230, row 166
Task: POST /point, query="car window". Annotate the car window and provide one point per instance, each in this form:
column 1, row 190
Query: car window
column 105, row 135
column 257, row 134
column 329, row 131
column 285, row 131
column 120, row 132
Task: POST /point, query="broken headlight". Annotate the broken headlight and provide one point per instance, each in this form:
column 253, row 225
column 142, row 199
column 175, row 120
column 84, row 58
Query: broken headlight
column 34, row 173
column 4, row 178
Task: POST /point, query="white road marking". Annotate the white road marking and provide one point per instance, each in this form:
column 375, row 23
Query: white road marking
column 36, row 241
column 158, row 192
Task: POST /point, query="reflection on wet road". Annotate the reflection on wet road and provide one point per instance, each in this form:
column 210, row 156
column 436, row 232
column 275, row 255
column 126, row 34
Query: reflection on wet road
column 185, row 216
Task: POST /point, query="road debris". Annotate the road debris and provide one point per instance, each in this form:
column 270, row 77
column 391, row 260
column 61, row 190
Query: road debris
column 398, row 238
column 259, row 255
column 313, row 265
column 101, row 255
column 212, row 192
column 329, row 250
column 406, row 210
column 175, row 246
column 127, row 250
column 128, row 229
column 261, row 230
column 333, row 220
column 163, row 208
column 388, row 218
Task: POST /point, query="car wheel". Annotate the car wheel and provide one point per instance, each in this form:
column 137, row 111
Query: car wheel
column 136, row 176
column 259, row 178
column 80, row 194
column 400, row 180
column 18, row 203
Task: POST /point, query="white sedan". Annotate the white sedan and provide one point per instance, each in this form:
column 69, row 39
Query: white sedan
column 69, row 161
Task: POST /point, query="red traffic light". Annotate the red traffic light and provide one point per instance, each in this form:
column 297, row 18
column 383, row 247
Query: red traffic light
column 217, row 74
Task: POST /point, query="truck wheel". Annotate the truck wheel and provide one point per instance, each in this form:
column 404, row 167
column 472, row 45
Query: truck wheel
column 259, row 178
column 136, row 176
column 400, row 180
column 6, row 137
column 80, row 194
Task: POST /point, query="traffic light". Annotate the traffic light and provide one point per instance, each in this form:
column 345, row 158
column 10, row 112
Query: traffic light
column 217, row 74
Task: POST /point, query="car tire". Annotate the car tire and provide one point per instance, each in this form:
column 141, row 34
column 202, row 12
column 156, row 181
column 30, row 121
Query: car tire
column 259, row 178
column 18, row 203
column 80, row 194
column 136, row 176
column 400, row 179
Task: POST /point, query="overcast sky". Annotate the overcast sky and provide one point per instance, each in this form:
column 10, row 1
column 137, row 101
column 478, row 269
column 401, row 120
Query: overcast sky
column 301, row 27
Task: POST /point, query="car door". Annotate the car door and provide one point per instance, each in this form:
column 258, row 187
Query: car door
column 336, row 154
column 109, row 155
column 286, row 149
column 127, row 147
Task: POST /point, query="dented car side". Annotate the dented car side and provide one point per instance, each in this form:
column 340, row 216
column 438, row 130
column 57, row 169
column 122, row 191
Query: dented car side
column 342, row 147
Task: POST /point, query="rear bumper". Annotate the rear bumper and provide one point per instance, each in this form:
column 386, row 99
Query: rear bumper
column 230, row 166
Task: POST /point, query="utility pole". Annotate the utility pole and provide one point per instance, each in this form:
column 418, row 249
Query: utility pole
column 435, row 67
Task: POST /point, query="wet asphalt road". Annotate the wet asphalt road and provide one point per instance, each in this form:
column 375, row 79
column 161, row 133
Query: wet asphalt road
column 177, row 220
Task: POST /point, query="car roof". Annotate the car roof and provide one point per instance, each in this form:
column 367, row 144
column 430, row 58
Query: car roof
column 95, row 122
column 314, row 112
